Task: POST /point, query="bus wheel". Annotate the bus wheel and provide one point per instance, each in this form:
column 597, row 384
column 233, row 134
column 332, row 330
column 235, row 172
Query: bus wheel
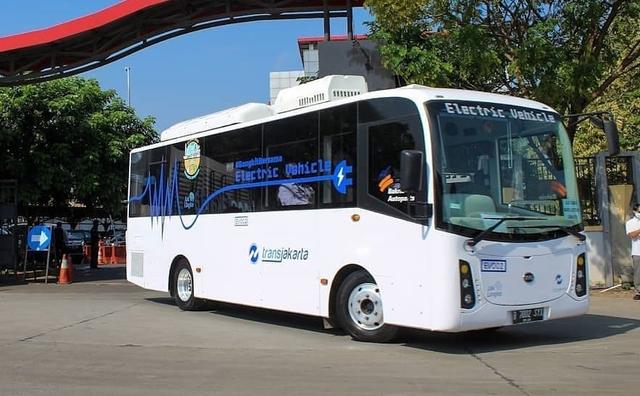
column 183, row 287
column 359, row 309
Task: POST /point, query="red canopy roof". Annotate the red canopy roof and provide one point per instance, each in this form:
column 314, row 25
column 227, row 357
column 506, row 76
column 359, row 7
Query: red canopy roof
column 130, row 25
column 76, row 26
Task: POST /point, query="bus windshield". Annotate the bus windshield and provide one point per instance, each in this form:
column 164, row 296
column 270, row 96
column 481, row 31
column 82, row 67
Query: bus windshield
column 493, row 161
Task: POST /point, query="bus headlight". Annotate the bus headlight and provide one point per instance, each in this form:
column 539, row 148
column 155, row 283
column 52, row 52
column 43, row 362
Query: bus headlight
column 581, row 276
column 467, row 295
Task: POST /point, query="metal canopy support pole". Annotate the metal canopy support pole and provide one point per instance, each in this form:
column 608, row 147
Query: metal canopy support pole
column 603, row 203
column 635, row 165
column 349, row 20
column 26, row 255
column 327, row 21
column 46, row 270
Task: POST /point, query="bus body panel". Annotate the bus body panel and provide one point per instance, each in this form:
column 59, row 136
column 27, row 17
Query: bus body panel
column 415, row 272
column 278, row 259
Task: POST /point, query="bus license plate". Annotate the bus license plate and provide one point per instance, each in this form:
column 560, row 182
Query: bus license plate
column 527, row 315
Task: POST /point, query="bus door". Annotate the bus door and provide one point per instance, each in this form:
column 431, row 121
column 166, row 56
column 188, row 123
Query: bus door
column 395, row 242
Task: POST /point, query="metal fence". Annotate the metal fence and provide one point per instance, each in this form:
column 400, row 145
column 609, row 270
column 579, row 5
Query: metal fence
column 586, row 175
column 619, row 170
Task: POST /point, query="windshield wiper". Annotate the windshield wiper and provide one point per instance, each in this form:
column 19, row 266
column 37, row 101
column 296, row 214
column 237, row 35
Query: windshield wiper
column 568, row 230
column 474, row 241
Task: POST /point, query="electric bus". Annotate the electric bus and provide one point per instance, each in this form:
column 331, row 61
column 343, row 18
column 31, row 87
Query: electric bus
column 438, row 209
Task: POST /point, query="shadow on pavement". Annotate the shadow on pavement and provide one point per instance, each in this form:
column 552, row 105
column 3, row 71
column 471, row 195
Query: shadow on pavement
column 554, row 332
column 103, row 273
column 261, row 315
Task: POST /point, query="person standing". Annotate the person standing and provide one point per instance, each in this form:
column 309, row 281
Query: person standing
column 59, row 243
column 633, row 231
column 95, row 239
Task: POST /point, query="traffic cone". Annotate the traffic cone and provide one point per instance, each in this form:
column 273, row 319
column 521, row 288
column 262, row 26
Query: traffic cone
column 101, row 253
column 66, row 271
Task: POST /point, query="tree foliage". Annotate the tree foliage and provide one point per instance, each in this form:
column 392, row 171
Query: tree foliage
column 624, row 103
column 67, row 141
column 567, row 53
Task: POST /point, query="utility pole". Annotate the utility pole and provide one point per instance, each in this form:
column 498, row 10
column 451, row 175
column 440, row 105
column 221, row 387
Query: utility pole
column 127, row 70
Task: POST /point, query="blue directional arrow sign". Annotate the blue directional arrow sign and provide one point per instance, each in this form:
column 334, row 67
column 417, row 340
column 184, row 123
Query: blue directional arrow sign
column 39, row 238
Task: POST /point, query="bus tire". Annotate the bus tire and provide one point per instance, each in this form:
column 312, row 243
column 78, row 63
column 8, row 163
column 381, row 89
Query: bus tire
column 359, row 309
column 183, row 288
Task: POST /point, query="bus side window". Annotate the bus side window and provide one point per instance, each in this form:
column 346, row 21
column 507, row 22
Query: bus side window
column 221, row 155
column 296, row 141
column 338, row 128
column 386, row 141
column 138, row 183
column 157, row 175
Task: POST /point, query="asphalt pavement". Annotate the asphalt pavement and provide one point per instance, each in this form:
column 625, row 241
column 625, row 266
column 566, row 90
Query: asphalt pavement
column 104, row 336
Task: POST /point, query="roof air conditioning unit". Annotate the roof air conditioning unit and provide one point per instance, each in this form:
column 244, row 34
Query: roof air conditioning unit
column 322, row 90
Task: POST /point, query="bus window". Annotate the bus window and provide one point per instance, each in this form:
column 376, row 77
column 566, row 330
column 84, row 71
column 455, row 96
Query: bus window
column 382, row 109
column 149, row 171
column 223, row 155
column 295, row 141
column 138, row 183
column 386, row 141
column 338, row 128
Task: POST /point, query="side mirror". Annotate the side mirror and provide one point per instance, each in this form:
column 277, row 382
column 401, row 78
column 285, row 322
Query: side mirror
column 610, row 130
column 411, row 170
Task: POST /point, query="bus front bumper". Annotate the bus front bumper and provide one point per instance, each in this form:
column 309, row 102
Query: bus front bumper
column 490, row 315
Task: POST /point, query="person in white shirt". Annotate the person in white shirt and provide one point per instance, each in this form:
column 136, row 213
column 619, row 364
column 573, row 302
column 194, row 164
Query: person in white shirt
column 633, row 231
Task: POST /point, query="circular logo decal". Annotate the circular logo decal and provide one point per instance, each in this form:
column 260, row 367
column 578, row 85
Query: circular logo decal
column 191, row 159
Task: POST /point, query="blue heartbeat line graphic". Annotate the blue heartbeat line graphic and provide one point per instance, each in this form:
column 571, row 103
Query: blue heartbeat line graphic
column 161, row 195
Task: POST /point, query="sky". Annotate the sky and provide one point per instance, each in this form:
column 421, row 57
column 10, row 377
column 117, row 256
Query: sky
column 194, row 74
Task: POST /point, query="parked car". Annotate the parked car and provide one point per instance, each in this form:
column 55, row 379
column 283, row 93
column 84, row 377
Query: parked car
column 117, row 240
column 84, row 234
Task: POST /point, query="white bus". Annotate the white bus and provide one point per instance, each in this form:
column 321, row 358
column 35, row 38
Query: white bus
column 429, row 208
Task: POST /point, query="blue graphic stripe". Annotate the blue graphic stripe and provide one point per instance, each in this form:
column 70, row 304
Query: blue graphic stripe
column 141, row 196
column 233, row 187
column 162, row 196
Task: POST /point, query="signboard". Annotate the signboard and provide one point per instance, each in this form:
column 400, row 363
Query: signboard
column 39, row 238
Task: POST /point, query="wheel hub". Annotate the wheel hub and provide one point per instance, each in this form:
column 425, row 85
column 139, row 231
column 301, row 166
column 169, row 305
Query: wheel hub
column 184, row 285
column 365, row 306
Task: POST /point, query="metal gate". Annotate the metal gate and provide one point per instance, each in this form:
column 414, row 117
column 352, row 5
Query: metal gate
column 8, row 221
column 608, row 188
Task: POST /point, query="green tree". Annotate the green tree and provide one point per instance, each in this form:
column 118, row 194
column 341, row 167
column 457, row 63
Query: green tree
column 624, row 103
column 566, row 53
column 67, row 141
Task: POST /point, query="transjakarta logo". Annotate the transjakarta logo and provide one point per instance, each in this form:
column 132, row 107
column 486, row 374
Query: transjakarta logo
column 279, row 255
column 254, row 254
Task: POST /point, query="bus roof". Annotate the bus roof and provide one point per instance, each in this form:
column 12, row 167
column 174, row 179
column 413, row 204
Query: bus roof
column 337, row 90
